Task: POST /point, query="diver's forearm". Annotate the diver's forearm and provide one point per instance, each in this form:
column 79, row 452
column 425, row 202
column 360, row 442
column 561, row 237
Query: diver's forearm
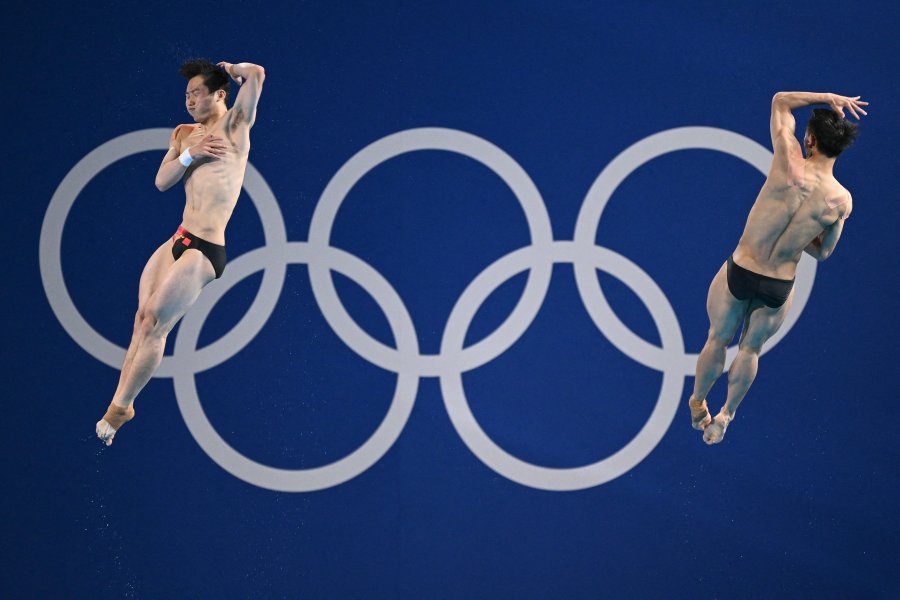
column 793, row 100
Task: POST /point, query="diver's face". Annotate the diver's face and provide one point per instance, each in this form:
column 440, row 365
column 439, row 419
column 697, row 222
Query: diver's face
column 198, row 100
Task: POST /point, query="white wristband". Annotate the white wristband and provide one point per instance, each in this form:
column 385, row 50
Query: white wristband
column 186, row 159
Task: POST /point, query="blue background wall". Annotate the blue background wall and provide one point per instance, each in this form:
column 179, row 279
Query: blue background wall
column 800, row 501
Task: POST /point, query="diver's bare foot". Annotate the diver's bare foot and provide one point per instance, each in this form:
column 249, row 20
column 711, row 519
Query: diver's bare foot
column 700, row 418
column 112, row 421
column 715, row 431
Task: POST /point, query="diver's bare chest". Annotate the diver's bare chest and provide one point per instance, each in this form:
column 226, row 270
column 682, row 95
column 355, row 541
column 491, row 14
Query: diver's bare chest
column 199, row 132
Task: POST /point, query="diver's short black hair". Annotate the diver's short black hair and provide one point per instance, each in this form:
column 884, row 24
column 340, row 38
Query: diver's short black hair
column 834, row 133
column 214, row 78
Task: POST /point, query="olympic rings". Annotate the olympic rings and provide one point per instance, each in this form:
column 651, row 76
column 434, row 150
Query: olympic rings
column 406, row 360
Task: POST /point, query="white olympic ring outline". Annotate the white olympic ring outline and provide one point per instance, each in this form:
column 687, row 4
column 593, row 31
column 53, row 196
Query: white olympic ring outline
column 410, row 365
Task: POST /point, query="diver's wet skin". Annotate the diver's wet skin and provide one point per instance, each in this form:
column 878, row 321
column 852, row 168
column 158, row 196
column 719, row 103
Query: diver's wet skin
column 700, row 417
column 112, row 421
column 715, row 431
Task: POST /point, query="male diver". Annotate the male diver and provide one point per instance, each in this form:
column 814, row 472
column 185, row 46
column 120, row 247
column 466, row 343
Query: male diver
column 210, row 156
column 801, row 207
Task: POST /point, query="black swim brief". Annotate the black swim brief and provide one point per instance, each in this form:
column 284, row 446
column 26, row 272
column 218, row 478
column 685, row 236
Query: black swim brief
column 184, row 239
column 747, row 285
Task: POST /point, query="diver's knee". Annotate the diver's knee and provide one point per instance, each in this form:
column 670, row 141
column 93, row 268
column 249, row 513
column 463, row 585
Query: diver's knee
column 750, row 348
column 151, row 325
column 718, row 339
